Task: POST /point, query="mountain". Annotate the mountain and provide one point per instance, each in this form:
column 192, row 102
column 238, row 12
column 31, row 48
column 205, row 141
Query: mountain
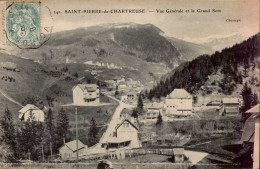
column 189, row 50
column 139, row 48
column 218, row 42
column 217, row 75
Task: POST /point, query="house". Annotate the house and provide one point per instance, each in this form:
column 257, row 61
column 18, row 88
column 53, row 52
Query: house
column 84, row 94
column 178, row 103
column 121, row 86
column 32, row 113
column 126, row 135
column 111, row 85
column 250, row 135
column 178, row 155
column 153, row 111
column 229, row 107
column 118, row 79
column 127, row 96
column 214, row 104
column 69, row 150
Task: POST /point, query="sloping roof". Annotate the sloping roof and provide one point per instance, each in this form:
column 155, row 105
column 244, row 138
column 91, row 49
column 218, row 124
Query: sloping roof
column 231, row 110
column 178, row 151
column 254, row 110
column 128, row 122
column 214, row 103
column 249, row 130
column 155, row 106
column 88, row 87
column 179, row 94
column 230, row 100
column 73, row 145
column 28, row 107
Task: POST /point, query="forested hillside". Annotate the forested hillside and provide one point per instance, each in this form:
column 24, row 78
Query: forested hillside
column 193, row 75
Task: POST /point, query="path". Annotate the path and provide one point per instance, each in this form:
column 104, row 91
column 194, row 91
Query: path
column 10, row 99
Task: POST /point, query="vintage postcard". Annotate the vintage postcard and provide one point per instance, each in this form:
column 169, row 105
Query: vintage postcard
column 129, row 84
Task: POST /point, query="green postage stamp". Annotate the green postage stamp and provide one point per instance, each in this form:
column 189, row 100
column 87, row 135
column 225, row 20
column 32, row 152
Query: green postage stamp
column 23, row 23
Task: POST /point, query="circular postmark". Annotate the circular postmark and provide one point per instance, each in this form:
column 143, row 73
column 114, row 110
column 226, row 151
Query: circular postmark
column 24, row 24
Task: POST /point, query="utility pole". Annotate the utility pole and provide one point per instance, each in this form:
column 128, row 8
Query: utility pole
column 42, row 153
column 76, row 113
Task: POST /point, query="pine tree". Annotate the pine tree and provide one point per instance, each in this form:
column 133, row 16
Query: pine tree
column 50, row 130
column 140, row 105
column 31, row 138
column 247, row 97
column 254, row 99
column 93, row 132
column 159, row 119
column 8, row 135
column 62, row 127
column 135, row 113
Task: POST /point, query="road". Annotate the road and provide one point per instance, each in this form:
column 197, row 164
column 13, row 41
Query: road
column 10, row 99
column 115, row 120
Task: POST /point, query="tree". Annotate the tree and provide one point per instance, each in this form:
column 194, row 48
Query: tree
column 254, row 99
column 31, row 138
column 247, row 97
column 8, row 137
column 76, row 75
column 50, row 129
column 159, row 119
column 116, row 93
column 62, row 127
column 140, row 105
column 93, row 132
column 135, row 113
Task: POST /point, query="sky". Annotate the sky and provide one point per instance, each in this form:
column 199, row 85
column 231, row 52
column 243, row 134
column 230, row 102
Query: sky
column 187, row 26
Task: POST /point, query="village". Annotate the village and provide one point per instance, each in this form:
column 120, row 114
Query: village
column 126, row 135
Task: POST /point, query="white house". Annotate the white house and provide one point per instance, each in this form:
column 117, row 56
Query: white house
column 84, row 94
column 153, row 111
column 178, row 103
column 69, row 150
column 31, row 112
column 126, row 135
column 128, row 96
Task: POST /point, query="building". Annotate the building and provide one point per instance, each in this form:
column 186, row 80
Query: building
column 153, row 111
column 178, row 103
column 214, row 104
column 229, row 107
column 121, row 86
column 125, row 136
column 111, row 85
column 69, row 150
column 84, row 94
column 178, row 155
column 31, row 113
column 250, row 135
column 127, row 96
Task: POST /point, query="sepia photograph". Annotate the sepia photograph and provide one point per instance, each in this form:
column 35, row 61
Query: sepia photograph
column 129, row 84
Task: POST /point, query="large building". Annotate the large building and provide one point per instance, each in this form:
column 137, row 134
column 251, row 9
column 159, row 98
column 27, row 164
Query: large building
column 84, row 94
column 178, row 103
column 31, row 113
column 69, row 150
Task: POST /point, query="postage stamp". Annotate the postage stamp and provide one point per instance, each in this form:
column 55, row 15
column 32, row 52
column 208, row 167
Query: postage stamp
column 23, row 24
